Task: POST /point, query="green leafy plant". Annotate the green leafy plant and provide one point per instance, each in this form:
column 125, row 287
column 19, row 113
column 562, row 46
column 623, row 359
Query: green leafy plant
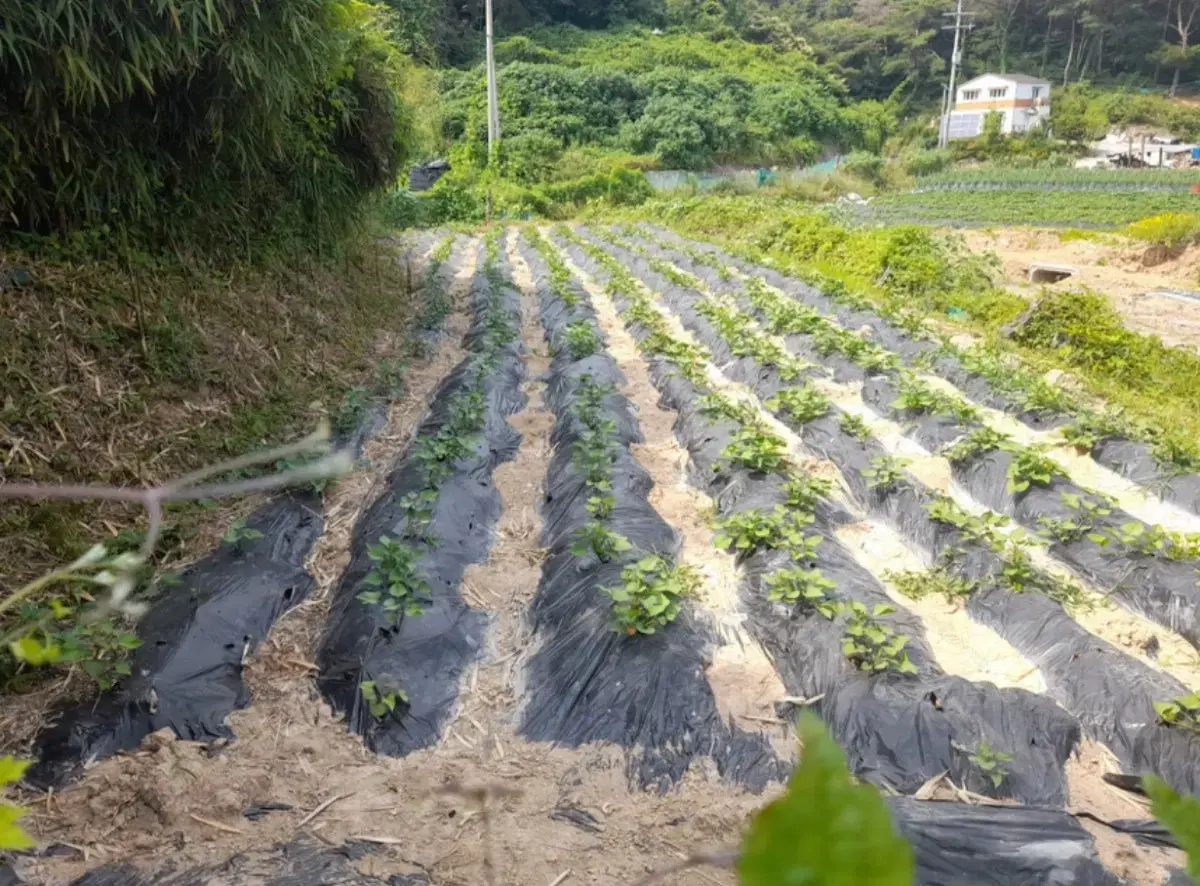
column 650, row 594
column 582, row 340
column 976, row 443
column 1180, row 815
column 403, row 587
column 827, row 829
column 1090, row 428
column 804, row 586
column 1017, row 572
column 885, row 473
column 596, row 538
column 855, row 426
column 12, row 837
column 382, row 696
column 601, row 506
column 1181, row 713
column 438, row 454
column 992, row 764
column 292, row 464
column 917, row 396
column 802, row 404
column 239, row 533
column 780, row 529
column 720, row 406
column 984, row 529
column 755, row 450
column 1088, row 509
column 418, row 509
column 871, row 644
column 354, row 403
column 804, row 491
column 937, row 582
column 1152, row 541
column 1030, row 467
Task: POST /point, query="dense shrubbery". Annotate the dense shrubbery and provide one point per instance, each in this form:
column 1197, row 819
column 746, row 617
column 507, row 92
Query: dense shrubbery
column 685, row 100
column 1086, row 332
column 1172, row 229
column 463, row 198
column 912, row 267
column 199, row 126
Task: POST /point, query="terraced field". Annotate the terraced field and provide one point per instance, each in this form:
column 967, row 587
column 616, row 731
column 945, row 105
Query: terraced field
column 642, row 504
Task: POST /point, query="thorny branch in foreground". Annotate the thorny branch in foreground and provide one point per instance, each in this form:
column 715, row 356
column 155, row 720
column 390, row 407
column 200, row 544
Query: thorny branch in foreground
column 119, row 573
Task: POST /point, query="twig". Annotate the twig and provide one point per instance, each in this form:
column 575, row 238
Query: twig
column 561, row 877
column 386, row 841
column 800, row 702
column 153, row 499
column 229, row 829
column 725, row 858
column 774, row 720
column 322, row 808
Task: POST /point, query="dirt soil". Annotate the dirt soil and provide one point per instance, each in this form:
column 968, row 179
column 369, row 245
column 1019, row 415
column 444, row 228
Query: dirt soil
column 1111, row 265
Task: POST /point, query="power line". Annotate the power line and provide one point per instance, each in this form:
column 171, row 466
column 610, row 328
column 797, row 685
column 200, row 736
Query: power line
column 962, row 22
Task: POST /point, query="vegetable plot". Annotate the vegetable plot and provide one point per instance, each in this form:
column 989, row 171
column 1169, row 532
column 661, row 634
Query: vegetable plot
column 621, row 648
column 400, row 634
column 783, row 521
column 1112, row 694
column 1147, row 456
column 1150, row 569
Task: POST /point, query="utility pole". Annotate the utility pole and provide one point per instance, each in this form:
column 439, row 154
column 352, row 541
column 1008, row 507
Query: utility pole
column 493, row 103
column 955, row 60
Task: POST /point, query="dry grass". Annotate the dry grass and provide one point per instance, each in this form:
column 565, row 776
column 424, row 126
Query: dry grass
column 125, row 378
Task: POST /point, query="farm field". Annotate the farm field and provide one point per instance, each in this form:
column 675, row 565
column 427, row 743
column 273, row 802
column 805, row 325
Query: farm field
column 1167, row 180
column 598, row 444
column 974, row 208
column 643, row 502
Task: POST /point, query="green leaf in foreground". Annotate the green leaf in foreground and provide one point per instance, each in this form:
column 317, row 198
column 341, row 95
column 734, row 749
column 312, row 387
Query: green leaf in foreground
column 1180, row 815
column 826, row 830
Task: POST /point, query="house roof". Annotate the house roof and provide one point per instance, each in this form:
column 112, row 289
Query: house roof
column 1011, row 78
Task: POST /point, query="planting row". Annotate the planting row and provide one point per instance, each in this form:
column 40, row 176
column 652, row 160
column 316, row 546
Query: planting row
column 1150, row 569
column 400, row 635
column 186, row 672
column 621, row 648
column 832, row 634
column 1150, row 457
column 1112, row 695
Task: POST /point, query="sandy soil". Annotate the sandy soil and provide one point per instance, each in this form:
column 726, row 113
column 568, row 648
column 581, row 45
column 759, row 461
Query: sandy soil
column 1113, row 266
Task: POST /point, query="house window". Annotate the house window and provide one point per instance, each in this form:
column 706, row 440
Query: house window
column 1037, row 92
column 970, row 95
column 998, row 93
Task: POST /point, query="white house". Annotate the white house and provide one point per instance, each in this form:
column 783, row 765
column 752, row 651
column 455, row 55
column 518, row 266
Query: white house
column 1023, row 102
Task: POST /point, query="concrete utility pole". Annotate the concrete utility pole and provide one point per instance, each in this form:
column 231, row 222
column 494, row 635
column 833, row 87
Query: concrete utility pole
column 955, row 60
column 493, row 102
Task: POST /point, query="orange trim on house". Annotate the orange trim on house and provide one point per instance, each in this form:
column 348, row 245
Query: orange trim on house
column 998, row 104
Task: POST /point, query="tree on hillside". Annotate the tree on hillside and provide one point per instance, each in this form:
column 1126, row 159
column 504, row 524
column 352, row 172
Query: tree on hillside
column 1179, row 56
